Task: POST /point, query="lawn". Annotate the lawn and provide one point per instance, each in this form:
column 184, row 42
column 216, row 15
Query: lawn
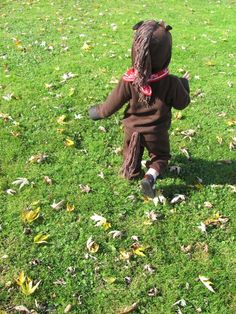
column 57, row 59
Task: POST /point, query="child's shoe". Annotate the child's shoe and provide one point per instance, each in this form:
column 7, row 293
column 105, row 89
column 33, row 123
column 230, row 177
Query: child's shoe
column 148, row 186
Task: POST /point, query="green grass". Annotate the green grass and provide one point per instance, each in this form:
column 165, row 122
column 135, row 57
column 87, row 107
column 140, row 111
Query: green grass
column 204, row 44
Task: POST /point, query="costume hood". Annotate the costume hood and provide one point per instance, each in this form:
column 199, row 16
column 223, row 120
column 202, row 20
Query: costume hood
column 160, row 45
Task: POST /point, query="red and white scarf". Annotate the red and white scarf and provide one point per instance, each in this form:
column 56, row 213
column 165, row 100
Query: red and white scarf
column 131, row 74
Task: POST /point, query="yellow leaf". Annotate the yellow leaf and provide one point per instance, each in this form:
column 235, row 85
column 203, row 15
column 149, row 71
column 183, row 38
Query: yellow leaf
column 106, row 225
column 139, row 251
column 27, row 288
column 70, row 207
column 21, row 279
column 211, row 63
column 69, row 142
column 72, row 91
column 231, row 122
column 41, row 238
column 92, row 246
column 30, row 215
column 60, row 130
column 61, row 119
column 125, row 255
column 109, row 280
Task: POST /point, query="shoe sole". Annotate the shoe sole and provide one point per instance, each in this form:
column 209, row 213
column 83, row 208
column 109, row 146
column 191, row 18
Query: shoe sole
column 147, row 189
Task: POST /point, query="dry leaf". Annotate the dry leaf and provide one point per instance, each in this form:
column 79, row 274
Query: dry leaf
column 21, row 182
column 30, row 215
column 178, row 199
column 149, row 268
column 41, row 238
column 125, row 255
column 68, row 308
column 85, row 188
column 153, row 292
column 138, row 249
column 39, row 158
column 92, row 246
column 185, row 152
column 67, row 76
column 207, row 283
column 202, row 227
column 188, row 133
column 100, row 221
column 47, row 180
column 70, row 207
column 116, row 234
column 216, row 220
column 129, row 309
column 176, row 169
column 61, row 119
column 58, row 205
column 102, row 129
column 208, row 205
column 10, row 191
column 21, row 309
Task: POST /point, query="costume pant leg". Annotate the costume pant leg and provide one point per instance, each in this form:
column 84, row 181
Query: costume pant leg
column 159, row 152
column 126, row 152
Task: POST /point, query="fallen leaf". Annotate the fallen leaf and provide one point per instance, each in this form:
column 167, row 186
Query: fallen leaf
column 41, row 238
column 208, row 205
column 92, row 246
column 67, row 76
column 216, row 220
column 47, row 180
column 185, row 152
column 30, row 215
column 27, row 288
column 207, row 283
column 10, row 191
column 178, row 199
column 20, row 279
column 129, row 309
column 202, row 227
column 149, row 268
column 102, row 129
column 138, row 249
column 100, row 221
column 176, row 169
column 68, row 308
column 70, row 207
column 58, row 205
column 188, row 133
column 21, row 182
column 85, row 188
column 39, row 158
column 61, row 119
column 21, row 309
column 125, row 255
column 109, row 280
column 68, row 142
column 116, row 234
column 153, row 292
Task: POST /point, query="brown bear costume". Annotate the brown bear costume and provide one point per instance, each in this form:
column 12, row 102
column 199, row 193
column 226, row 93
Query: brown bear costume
column 150, row 92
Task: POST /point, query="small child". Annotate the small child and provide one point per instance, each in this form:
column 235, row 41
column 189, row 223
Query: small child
column 151, row 92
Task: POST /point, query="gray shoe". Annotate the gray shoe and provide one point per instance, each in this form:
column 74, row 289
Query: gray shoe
column 147, row 186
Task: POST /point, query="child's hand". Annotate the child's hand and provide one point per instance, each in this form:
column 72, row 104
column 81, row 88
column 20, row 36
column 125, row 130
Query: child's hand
column 186, row 76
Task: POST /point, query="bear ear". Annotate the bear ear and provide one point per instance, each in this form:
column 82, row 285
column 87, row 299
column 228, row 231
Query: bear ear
column 136, row 26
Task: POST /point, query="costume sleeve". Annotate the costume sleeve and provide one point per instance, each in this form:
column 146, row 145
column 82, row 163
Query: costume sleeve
column 118, row 97
column 180, row 97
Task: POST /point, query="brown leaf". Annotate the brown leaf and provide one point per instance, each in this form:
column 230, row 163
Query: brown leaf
column 21, row 309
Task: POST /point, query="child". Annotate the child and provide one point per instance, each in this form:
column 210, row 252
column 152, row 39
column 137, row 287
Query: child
column 151, row 92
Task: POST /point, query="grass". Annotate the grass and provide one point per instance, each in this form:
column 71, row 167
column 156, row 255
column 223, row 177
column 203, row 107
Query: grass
column 33, row 52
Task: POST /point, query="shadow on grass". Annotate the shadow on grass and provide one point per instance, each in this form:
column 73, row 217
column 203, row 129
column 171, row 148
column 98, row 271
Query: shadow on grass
column 217, row 172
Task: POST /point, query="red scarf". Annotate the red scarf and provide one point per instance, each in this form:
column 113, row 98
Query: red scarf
column 131, row 74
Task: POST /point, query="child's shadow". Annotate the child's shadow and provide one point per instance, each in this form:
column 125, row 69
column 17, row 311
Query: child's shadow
column 195, row 170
